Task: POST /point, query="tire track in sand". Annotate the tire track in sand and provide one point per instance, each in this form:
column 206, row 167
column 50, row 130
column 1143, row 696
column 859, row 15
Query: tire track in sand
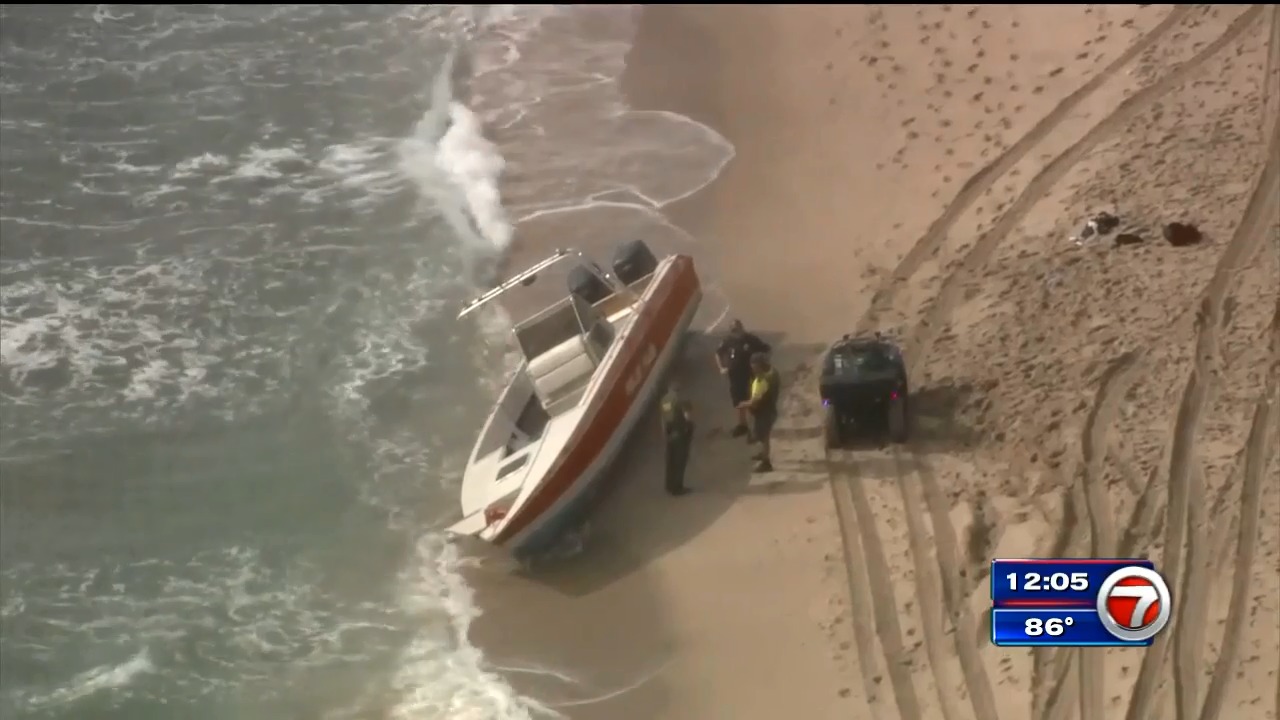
column 1194, row 397
column 1257, row 457
column 1142, row 520
column 954, row 591
column 1193, row 601
column 870, row 656
column 1246, row 241
column 1035, row 190
column 1116, row 380
column 983, row 180
column 1271, row 80
column 1058, row 673
column 1054, row 663
column 926, row 247
column 1044, row 661
column 860, row 605
column 1057, row 168
column 929, row 595
column 858, row 521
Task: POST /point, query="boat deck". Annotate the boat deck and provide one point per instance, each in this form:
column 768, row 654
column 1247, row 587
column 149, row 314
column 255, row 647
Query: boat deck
column 544, row 402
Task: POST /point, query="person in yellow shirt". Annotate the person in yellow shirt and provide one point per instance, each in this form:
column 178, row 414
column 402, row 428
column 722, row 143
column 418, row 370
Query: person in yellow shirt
column 763, row 406
column 733, row 358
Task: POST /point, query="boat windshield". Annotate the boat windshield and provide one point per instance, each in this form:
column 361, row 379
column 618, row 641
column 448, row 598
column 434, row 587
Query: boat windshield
column 547, row 329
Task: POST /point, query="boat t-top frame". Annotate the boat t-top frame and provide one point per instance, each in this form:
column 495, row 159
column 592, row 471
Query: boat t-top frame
column 528, row 276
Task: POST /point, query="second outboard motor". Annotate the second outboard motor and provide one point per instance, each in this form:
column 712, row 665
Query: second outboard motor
column 632, row 261
column 587, row 285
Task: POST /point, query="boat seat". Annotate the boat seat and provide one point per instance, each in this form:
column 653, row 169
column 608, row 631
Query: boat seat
column 560, row 369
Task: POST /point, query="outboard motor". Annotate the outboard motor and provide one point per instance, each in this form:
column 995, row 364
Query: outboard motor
column 587, row 285
column 632, row 261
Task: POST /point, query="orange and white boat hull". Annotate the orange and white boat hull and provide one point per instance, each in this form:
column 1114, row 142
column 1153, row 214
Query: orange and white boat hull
column 650, row 347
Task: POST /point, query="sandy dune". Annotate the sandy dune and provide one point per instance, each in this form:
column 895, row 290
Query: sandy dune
column 922, row 170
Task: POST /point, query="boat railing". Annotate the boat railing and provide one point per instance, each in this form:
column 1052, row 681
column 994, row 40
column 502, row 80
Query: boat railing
column 525, row 278
column 530, row 275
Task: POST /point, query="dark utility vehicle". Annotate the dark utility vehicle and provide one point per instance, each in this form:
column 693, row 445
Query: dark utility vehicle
column 864, row 390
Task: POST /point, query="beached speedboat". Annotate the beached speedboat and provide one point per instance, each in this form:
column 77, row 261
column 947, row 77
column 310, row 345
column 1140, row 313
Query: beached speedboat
column 592, row 363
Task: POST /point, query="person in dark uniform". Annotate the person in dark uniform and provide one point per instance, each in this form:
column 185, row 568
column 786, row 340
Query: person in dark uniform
column 677, row 433
column 763, row 406
column 733, row 358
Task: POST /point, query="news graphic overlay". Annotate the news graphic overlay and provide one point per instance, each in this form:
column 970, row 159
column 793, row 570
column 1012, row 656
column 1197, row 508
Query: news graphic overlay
column 1078, row 603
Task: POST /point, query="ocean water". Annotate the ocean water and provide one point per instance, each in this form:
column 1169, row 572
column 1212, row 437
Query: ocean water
column 234, row 399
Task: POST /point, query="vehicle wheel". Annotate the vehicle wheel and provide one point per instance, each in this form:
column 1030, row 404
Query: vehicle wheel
column 832, row 432
column 899, row 422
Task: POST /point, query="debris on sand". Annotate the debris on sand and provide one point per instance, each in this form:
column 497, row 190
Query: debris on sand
column 1128, row 238
column 1182, row 234
column 1105, row 222
column 1100, row 224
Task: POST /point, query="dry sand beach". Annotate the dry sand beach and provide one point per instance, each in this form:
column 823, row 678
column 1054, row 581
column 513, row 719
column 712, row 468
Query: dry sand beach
column 921, row 170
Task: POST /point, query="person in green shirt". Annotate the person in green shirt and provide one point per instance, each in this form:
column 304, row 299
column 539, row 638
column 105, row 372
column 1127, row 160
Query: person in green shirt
column 763, row 406
column 677, row 433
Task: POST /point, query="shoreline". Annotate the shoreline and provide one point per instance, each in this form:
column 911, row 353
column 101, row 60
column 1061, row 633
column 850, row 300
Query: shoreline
column 643, row 547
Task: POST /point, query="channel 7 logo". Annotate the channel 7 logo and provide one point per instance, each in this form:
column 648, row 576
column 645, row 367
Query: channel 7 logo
column 1134, row 603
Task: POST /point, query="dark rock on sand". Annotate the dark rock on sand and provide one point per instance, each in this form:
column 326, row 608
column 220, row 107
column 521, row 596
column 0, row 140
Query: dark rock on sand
column 1182, row 234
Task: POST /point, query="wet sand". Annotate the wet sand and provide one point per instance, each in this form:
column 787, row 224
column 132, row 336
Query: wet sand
column 921, row 171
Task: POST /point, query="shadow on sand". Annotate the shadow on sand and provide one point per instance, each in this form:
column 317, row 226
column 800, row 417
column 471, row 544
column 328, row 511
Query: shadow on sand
column 634, row 521
column 555, row 628
column 935, row 428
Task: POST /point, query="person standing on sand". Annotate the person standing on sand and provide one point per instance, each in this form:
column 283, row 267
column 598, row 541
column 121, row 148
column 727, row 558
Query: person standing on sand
column 763, row 406
column 677, row 433
column 733, row 358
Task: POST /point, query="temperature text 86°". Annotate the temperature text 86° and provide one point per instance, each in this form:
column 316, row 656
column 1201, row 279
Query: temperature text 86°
column 1053, row 627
